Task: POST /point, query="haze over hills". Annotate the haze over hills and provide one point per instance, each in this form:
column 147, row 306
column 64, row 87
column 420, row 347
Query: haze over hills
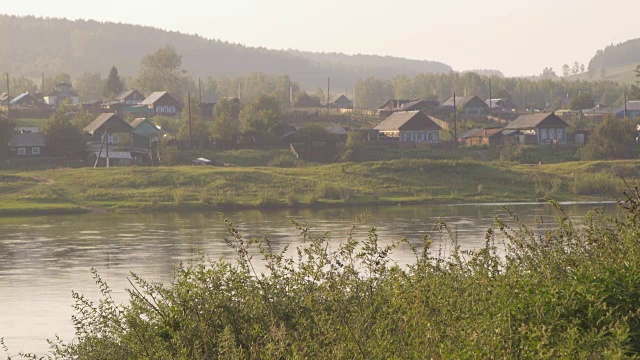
column 37, row 45
column 614, row 62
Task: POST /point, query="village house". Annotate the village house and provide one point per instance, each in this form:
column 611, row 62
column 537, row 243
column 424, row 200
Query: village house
column 501, row 104
column 27, row 144
column 413, row 105
column 130, row 97
column 111, row 124
column 395, row 104
column 62, row 93
column 468, row 105
column 340, row 102
column 145, row 133
column 410, row 126
column 490, row 137
column 539, row 128
column 24, row 100
column 162, row 103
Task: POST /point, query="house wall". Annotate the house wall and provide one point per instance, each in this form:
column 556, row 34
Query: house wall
column 429, row 136
column 27, row 151
column 551, row 135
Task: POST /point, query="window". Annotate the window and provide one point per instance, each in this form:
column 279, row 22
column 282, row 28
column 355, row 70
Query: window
column 159, row 109
column 172, row 109
column 35, row 151
column 551, row 134
column 22, row 151
column 543, row 134
column 166, row 109
column 559, row 134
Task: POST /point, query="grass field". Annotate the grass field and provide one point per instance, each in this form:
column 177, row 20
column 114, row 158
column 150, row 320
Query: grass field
column 346, row 184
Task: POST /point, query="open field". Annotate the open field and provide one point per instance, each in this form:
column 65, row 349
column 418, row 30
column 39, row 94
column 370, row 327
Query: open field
column 347, row 184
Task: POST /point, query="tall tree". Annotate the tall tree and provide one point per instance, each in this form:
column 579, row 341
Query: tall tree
column 162, row 71
column 89, row 86
column 63, row 138
column 6, row 131
column 565, row 70
column 635, row 89
column 113, row 85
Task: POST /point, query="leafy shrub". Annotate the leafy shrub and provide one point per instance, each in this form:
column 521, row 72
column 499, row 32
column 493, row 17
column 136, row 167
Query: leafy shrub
column 569, row 292
column 595, row 184
column 512, row 153
column 547, row 185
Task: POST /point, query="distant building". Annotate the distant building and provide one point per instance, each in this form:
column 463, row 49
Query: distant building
column 145, row 133
column 108, row 123
column 410, row 126
column 490, row 137
column 468, row 105
column 540, row 128
column 130, row 97
column 27, row 144
column 162, row 103
column 340, row 102
column 406, row 105
column 62, row 93
column 501, row 104
column 24, row 100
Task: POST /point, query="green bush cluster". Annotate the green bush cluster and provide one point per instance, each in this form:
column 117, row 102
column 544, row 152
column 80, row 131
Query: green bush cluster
column 595, row 184
column 568, row 292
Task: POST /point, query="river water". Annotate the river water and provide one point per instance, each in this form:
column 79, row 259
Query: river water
column 42, row 259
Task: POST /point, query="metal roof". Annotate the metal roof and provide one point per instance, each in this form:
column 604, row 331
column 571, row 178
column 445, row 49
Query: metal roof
column 28, row 139
column 407, row 120
column 532, row 121
column 117, row 124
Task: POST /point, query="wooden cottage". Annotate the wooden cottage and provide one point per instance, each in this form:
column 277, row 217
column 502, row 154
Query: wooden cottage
column 162, row 103
column 540, row 128
column 27, row 144
column 469, row 105
column 410, row 126
column 490, row 137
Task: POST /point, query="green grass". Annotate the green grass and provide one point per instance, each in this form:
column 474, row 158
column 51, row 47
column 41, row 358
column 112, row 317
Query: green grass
column 409, row 181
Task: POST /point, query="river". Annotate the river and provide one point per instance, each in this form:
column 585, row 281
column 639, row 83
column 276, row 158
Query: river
column 43, row 258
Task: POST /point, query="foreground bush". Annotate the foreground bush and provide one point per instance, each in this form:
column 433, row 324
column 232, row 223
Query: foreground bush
column 570, row 292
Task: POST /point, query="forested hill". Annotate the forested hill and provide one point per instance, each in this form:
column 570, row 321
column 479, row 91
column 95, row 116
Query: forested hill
column 37, row 45
column 615, row 56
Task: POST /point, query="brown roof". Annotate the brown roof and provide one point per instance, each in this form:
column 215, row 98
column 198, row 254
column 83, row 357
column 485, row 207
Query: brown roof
column 111, row 122
column 532, row 121
column 125, row 94
column 407, row 120
column 156, row 96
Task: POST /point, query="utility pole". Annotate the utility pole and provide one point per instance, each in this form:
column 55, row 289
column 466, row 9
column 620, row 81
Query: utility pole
column 328, row 92
column 625, row 105
column 490, row 98
column 200, row 91
column 455, row 122
column 189, row 114
column 8, row 100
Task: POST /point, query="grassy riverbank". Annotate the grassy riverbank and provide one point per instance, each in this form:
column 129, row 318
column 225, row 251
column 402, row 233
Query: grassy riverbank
column 347, row 184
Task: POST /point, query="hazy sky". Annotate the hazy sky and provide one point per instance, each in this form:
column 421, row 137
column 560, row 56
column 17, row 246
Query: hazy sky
column 518, row 37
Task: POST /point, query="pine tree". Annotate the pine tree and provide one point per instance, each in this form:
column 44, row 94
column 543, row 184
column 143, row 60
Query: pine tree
column 113, row 85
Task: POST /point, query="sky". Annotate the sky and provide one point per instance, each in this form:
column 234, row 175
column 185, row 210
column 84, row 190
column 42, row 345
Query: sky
column 517, row 37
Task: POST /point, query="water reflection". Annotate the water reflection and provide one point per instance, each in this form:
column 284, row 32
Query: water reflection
column 43, row 258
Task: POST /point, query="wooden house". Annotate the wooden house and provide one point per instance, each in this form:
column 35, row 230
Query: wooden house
column 112, row 124
column 162, row 103
column 413, row 105
column 490, row 137
column 340, row 102
column 468, row 105
column 27, row 144
column 540, row 128
column 145, row 133
column 410, row 126
column 62, row 93
column 130, row 97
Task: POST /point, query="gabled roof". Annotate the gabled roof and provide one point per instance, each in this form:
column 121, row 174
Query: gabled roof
column 395, row 103
column 339, row 97
column 407, row 120
column 532, row 121
column 150, row 131
column 110, row 122
column 155, row 97
column 463, row 101
column 28, row 139
column 125, row 94
column 17, row 99
column 479, row 132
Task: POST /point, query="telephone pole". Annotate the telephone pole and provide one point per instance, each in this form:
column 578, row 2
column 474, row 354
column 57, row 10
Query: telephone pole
column 490, row 99
column 8, row 100
column 625, row 105
column 189, row 114
column 200, row 91
column 455, row 122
